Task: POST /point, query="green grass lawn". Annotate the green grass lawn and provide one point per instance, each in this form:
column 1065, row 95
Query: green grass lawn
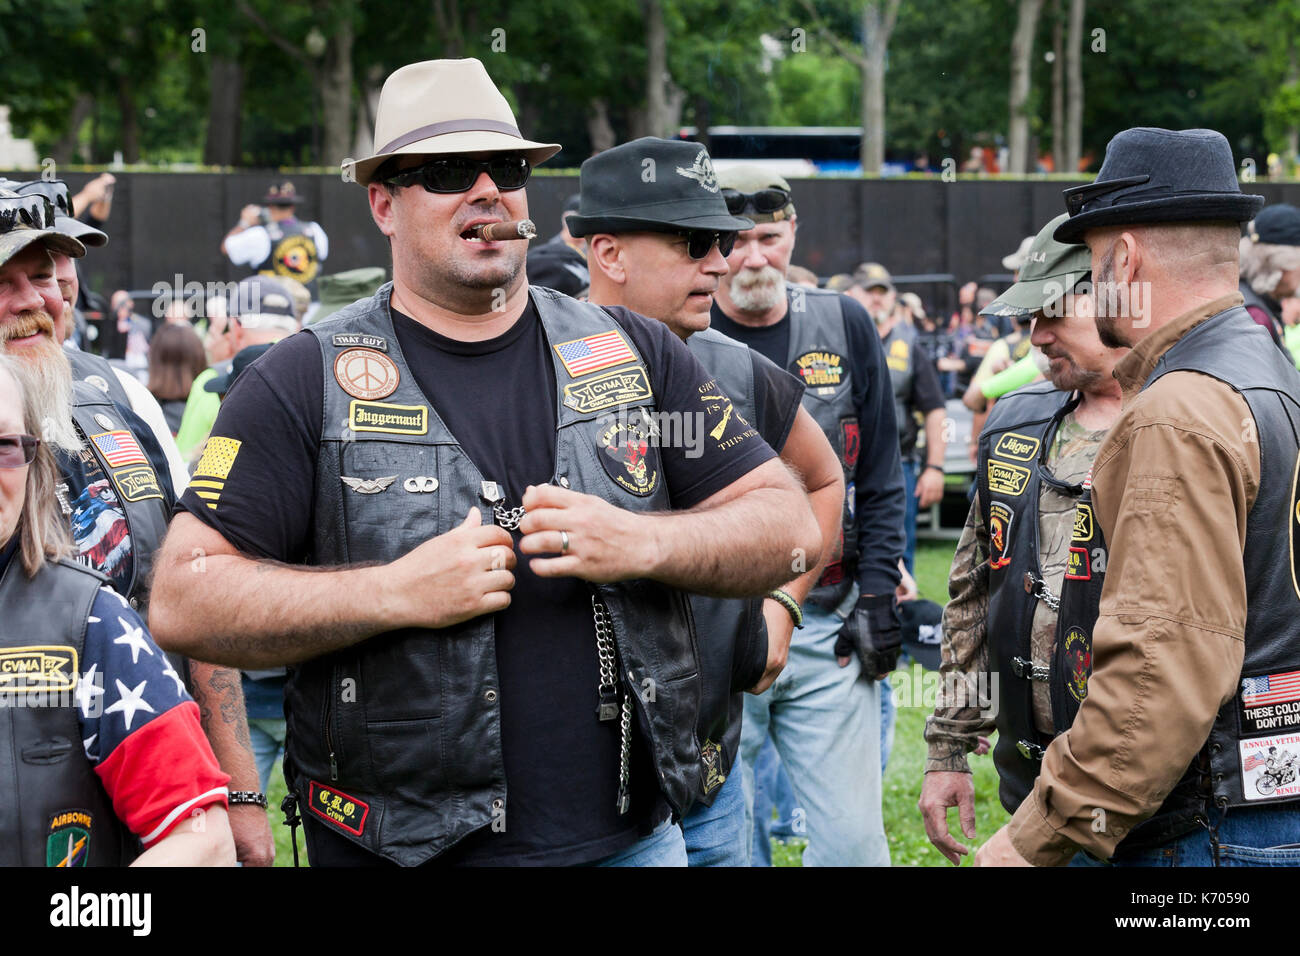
column 902, row 785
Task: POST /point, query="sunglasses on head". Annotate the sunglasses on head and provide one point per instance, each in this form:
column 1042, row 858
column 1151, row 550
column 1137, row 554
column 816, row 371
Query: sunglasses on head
column 456, row 174
column 17, row 450
column 764, row 201
column 700, row 241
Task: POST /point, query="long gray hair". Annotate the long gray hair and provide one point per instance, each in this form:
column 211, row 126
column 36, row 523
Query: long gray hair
column 1262, row 263
column 41, row 526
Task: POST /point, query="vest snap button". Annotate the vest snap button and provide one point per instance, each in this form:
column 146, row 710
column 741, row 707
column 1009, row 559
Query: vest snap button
column 490, row 696
column 564, row 482
column 135, row 605
column 498, row 803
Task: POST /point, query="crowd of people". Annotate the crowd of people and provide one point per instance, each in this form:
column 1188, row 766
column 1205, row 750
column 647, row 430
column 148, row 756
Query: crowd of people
column 587, row 555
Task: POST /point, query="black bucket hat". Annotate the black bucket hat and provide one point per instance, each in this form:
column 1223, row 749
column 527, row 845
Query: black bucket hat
column 1159, row 175
column 655, row 185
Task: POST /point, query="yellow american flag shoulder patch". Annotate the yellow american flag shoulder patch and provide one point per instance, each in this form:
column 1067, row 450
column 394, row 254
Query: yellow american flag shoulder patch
column 213, row 469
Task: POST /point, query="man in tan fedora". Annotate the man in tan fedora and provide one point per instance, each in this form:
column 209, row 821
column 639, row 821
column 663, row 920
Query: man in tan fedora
column 490, row 657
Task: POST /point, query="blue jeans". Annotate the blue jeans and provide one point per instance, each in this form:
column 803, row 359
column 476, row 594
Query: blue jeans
column 772, row 790
column 1248, row 836
column 268, row 746
column 909, row 515
column 887, row 715
column 664, row 847
column 825, row 723
column 715, row 836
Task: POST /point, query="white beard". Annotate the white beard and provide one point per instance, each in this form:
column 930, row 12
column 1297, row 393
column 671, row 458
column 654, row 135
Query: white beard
column 757, row 290
column 47, row 377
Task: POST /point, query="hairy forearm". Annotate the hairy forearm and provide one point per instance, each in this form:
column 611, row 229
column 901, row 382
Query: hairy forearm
column 744, row 547
column 934, row 443
column 220, row 696
column 255, row 614
column 827, row 505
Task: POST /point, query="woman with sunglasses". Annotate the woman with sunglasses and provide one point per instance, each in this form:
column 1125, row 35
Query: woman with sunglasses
column 77, row 664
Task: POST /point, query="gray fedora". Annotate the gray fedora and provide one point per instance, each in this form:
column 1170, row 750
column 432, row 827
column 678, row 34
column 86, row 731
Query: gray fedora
column 653, row 185
column 1159, row 175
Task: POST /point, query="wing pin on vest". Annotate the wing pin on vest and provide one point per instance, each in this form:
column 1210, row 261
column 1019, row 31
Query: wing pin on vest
column 368, row 486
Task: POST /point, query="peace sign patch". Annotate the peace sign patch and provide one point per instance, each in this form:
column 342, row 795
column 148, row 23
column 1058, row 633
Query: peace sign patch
column 366, row 374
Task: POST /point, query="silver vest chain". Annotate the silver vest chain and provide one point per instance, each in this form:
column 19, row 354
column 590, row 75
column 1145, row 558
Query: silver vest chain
column 608, row 707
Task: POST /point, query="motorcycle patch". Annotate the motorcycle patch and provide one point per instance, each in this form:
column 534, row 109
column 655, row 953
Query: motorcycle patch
column 345, row 812
column 1000, row 518
column 1268, row 767
column 1006, row 478
column 1078, row 660
column 850, row 442
column 626, row 456
column 1270, row 703
column 68, row 840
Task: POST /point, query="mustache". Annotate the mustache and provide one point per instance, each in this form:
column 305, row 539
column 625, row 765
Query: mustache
column 28, row 323
column 763, row 276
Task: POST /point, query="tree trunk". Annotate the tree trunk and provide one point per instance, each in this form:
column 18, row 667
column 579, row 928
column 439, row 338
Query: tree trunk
column 1058, row 88
column 656, row 67
column 1292, row 76
column 225, row 96
column 336, row 95
column 1074, row 89
column 81, row 109
column 1022, row 51
column 703, row 120
column 446, row 19
column 367, row 103
column 599, row 130
column 130, row 121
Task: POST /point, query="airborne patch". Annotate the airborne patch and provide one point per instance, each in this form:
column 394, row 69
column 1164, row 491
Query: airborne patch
column 1019, row 447
column 1006, row 478
column 393, row 419
column 1000, row 518
column 1083, row 522
column 619, row 387
column 137, row 484
column 68, row 842
column 40, row 667
column 345, row 812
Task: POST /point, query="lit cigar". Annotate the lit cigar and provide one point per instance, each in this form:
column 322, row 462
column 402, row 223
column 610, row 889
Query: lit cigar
column 513, row 229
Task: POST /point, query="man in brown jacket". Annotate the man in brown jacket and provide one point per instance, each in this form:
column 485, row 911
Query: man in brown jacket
column 1196, row 646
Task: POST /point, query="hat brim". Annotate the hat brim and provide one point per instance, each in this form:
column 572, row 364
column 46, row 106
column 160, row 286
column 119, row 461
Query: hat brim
column 16, row 240
column 269, row 200
column 1193, row 207
column 580, row 226
column 1028, row 297
column 470, row 141
column 83, row 232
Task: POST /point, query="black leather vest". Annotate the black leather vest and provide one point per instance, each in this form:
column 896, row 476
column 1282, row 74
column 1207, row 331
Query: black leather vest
column 137, row 485
column 97, row 372
column 293, row 253
column 900, row 355
column 53, row 809
column 727, row 627
column 1270, row 307
column 396, row 742
column 1009, row 484
column 819, row 357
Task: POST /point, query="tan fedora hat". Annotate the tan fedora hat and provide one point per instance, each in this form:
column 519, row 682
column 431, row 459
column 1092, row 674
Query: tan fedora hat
column 444, row 106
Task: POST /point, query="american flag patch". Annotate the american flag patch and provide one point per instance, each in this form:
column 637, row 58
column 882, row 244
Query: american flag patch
column 119, row 448
column 1270, row 689
column 1252, row 761
column 594, row 353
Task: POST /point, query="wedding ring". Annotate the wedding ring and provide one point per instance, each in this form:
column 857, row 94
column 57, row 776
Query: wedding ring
column 564, row 542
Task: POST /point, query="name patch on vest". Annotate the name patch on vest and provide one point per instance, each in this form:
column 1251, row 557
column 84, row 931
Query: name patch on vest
column 619, row 387
column 819, row 369
column 40, row 667
column 1019, row 447
column 1006, row 478
column 1000, row 518
column 348, row 340
column 345, row 812
column 137, row 484
column 68, row 841
column 393, row 419
column 1083, row 522
column 626, row 457
column 366, row 374
column 1078, row 660
column 1078, row 566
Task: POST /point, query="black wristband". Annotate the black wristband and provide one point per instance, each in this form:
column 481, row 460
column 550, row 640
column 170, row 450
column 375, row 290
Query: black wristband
column 938, row 468
column 255, row 797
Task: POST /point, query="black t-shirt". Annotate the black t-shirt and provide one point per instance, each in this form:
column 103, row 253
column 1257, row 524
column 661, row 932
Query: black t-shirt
column 877, row 478
column 926, row 397
column 497, row 398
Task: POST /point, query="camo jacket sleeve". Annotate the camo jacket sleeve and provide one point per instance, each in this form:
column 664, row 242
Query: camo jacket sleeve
column 951, row 731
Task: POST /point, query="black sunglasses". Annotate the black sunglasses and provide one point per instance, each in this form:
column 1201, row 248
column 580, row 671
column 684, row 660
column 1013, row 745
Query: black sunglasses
column 17, row 450
column 456, row 174
column 764, row 201
column 700, row 241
